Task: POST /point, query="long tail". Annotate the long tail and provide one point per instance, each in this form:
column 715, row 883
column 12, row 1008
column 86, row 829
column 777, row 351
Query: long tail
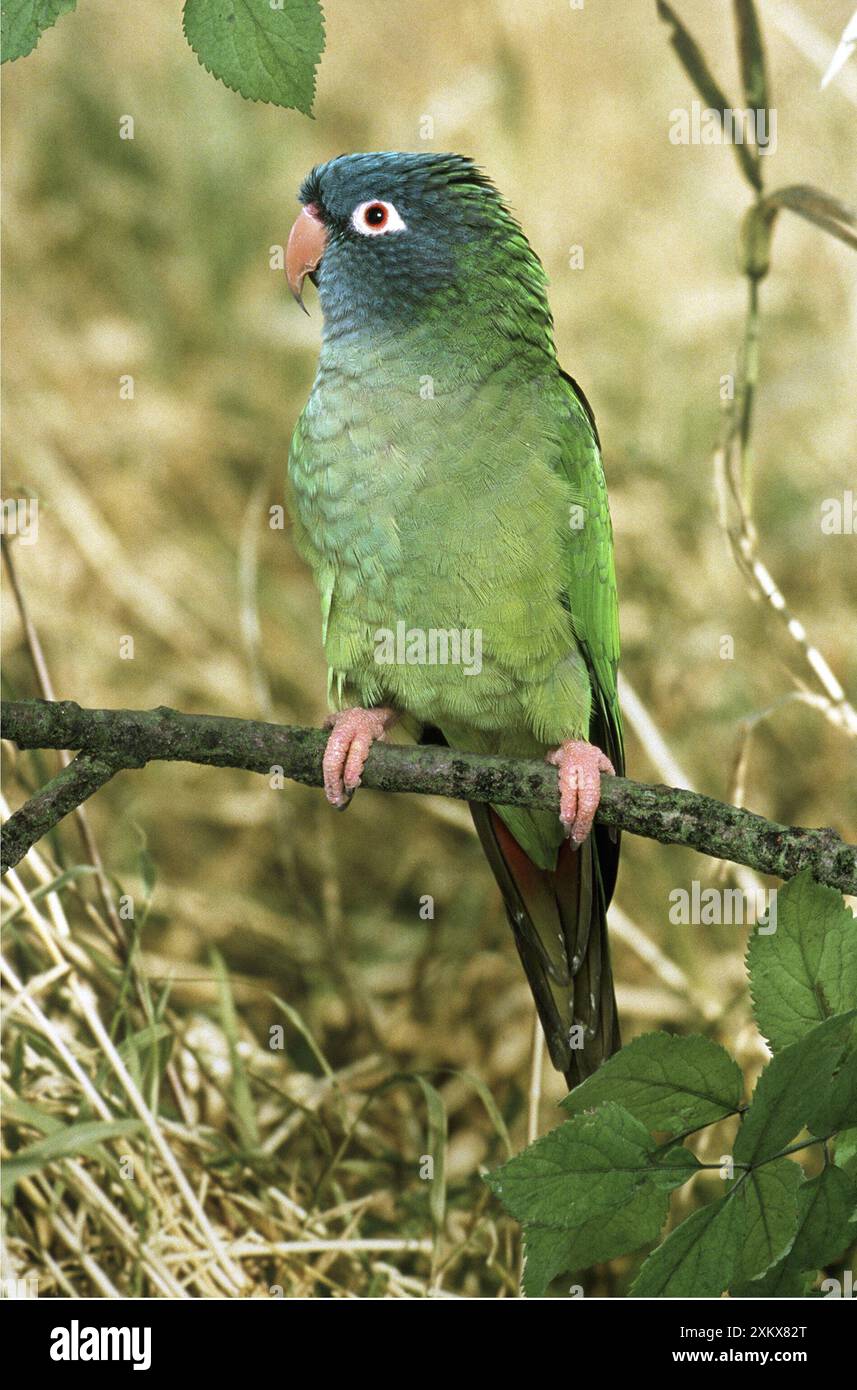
column 559, row 921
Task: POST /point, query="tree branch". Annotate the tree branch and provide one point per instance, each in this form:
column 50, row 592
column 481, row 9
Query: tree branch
column 110, row 739
column 73, row 785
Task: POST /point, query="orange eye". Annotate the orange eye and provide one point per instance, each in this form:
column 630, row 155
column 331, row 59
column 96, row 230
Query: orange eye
column 375, row 217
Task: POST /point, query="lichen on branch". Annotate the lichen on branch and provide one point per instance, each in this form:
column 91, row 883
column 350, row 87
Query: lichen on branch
column 110, row 740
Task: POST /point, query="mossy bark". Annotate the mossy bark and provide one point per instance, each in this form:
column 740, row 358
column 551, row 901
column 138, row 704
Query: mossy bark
column 113, row 739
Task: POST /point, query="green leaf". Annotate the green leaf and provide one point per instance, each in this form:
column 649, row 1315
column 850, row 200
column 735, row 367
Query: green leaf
column 806, row 970
column 787, row 1090
column 145, row 1053
column 147, row 1043
column 845, row 1151
column 68, row 1142
column 678, row 1165
column 547, row 1253
column 751, row 53
column 265, row 53
column 825, row 1208
column 55, row 885
column 824, row 210
column 757, row 229
column 692, row 59
column 767, row 1198
column 550, row 1251
column 490, row 1105
column 835, row 1107
column 666, row 1082
column 17, row 1111
column 297, row 1022
column 243, row 1109
column 581, row 1170
column 22, row 23
column 733, row 1239
column 697, row 1259
column 437, row 1131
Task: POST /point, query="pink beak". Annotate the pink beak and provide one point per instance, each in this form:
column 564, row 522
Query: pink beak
column 305, row 248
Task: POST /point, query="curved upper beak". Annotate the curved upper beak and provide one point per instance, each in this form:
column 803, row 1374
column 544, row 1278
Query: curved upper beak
column 304, row 250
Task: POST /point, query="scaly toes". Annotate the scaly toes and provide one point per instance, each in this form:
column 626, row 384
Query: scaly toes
column 567, row 786
column 353, row 731
column 580, row 766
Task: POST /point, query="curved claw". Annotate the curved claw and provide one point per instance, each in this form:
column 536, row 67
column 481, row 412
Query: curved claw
column 580, row 766
column 353, row 731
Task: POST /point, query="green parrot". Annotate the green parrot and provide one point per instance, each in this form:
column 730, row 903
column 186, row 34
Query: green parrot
column 447, row 491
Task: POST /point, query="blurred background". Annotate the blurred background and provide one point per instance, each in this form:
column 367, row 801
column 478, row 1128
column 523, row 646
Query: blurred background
column 150, row 258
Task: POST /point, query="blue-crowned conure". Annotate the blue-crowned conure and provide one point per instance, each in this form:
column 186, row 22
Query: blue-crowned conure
column 447, row 491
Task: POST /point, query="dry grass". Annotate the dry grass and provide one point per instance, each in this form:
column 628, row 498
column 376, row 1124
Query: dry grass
column 297, row 1168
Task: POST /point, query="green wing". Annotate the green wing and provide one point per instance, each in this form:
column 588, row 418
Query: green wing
column 592, row 597
column 558, row 912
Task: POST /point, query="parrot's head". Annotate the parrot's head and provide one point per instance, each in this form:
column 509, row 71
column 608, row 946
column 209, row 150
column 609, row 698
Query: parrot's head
column 382, row 235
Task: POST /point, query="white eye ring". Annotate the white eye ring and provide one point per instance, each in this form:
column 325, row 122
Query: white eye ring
column 389, row 222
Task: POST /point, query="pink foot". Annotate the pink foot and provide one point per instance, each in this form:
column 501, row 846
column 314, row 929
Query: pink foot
column 354, row 732
column 580, row 766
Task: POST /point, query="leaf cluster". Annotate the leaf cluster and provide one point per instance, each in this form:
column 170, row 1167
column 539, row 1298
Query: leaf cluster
column 598, row 1186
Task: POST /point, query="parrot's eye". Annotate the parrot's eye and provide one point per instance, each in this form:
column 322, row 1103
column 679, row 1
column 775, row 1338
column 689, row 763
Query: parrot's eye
column 375, row 218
